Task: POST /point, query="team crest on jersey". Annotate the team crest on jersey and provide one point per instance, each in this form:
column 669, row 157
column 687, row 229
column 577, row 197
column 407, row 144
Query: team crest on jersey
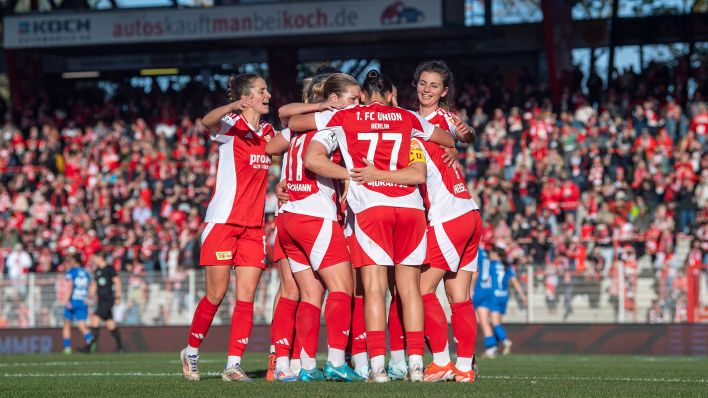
column 223, row 256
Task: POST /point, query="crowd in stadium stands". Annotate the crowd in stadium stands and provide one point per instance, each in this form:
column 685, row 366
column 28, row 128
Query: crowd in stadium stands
column 621, row 171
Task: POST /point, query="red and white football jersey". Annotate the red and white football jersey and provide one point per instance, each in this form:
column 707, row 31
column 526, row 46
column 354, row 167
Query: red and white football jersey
column 242, row 175
column 286, row 134
column 381, row 134
column 310, row 194
column 445, row 191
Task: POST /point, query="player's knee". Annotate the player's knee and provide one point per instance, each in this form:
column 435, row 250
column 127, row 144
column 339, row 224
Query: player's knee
column 290, row 291
column 215, row 296
column 456, row 296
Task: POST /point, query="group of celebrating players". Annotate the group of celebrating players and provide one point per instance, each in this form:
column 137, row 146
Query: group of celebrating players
column 372, row 199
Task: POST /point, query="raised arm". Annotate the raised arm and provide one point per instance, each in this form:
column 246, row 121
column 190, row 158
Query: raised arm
column 302, row 122
column 285, row 112
column 212, row 120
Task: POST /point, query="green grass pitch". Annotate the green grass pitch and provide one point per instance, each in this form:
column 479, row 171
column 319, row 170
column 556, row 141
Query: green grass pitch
column 159, row 375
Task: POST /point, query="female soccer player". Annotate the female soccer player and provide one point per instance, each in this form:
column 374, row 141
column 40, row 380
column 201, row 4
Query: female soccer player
column 453, row 237
column 314, row 244
column 233, row 232
column 454, row 229
column 389, row 217
column 491, row 296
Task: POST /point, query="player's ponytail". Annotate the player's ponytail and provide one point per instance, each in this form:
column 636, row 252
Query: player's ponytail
column 441, row 68
column 376, row 83
column 240, row 85
column 313, row 89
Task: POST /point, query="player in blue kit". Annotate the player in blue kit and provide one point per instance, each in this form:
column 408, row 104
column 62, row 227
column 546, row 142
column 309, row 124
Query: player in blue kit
column 76, row 307
column 491, row 296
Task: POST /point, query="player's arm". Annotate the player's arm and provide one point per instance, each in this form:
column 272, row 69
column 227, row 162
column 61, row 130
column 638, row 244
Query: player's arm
column 212, row 120
column 93, row 287
column 302, row 122
column 517, row 286
column 317, row 161
column 475, row 275
column 117, row 288
column 463, row 132
column 285, row 112
column 68, row 296
column 278, row 144
column 414, row 174
column 442, row 137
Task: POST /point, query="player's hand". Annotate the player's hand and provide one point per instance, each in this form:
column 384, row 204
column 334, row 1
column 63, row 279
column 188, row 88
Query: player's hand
column 243, row 103
column 281, row 191
column 330, row 105
column 345, row 192
column 450, row 156
column 462, row 129
column 365, row 174
column 68, row 305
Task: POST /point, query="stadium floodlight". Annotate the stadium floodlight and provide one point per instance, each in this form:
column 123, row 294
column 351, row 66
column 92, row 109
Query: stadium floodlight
column 159, row 71
column 81, row 75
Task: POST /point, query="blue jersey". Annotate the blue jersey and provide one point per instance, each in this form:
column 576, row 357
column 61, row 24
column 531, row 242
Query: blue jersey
column 501, row 280
column 81, row 280
column 484, row 286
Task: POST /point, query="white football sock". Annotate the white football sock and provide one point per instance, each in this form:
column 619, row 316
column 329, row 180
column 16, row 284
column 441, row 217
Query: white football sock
column 232, row 360
column 398, row 356
column 442, row 358
column 335, row 357
column 378, row 361
column 282, row 363
column 414, row 360
column 463, row 364
column 191, row 351
column 361, row 360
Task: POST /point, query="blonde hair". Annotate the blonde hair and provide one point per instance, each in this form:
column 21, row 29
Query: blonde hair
column 313, row 89
column 338, row 83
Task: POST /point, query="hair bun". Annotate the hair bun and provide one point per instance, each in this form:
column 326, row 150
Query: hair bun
column 373, row 74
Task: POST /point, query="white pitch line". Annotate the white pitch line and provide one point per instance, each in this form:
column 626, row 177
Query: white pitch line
column 498, row 377
column 80, row 363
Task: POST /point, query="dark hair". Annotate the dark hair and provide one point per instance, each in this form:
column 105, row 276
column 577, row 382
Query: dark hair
column 240, row 85
column 441, row 68
column 376, row 83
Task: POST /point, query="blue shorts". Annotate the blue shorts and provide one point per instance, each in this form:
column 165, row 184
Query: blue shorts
column 77, row 312
column 485, row 301
column 501, row 305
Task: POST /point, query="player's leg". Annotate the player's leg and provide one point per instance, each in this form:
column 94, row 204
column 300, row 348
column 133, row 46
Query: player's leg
column 500, row 332
column 217, row 282
column 95, row 324
column 81, row 314
column 247, row 279
column 408, row 290
column 464, row 322
column 490, row 342
column 409, row 253
column 397, row 365
column 357, row 336
column 338, row 316
column 308, row 321
column 374, row 278
column 115, row 332
column 283, row 325
column 436, row 328
column 66, row 331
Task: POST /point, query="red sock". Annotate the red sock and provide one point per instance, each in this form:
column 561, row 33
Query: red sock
column 338, row 318
column 201, row 321
column 308, row 327
column 435, row 323
column 358, row 333
column 415, row 343
column 376, row 342
column 241, row 325
column 464, row 327
column 282, row 327
column 396, row 337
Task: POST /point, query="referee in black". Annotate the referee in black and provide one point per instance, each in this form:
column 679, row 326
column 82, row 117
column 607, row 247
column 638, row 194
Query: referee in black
column 107, row 287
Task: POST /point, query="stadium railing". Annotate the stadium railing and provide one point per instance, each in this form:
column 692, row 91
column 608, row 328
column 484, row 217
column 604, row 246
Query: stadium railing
column 155, row 298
